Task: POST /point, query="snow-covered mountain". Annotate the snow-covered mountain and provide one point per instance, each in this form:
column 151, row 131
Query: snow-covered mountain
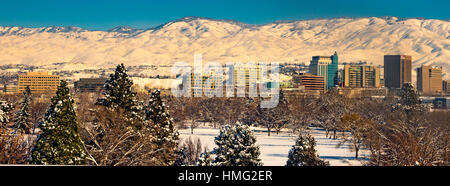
column 355, row 39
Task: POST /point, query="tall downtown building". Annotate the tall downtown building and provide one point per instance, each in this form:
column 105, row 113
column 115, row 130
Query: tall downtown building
column 206, row 84
column 361, row 76
column 397, row 70
column 327, row 67
column 244, row 78
column 429, row 80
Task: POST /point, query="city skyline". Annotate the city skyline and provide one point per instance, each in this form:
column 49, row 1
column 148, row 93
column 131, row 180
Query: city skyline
column 194, row 88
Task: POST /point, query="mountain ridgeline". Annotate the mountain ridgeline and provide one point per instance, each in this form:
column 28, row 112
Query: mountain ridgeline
column 355, row 39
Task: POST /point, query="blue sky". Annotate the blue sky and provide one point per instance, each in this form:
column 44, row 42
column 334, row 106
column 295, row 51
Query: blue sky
column 106, row 14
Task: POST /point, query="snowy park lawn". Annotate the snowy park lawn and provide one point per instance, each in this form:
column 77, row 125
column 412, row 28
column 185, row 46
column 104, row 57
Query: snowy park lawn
column 274, row 149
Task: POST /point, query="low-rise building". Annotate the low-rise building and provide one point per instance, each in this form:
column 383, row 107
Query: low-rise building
column 90, row 85
column 446, row 87
column 441, row 103
column 10, row 89
column 309, row 81
column 39, row 82
column 363, row 92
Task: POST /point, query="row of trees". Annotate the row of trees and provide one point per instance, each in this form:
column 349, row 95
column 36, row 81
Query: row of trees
column 114, row 130
column 228, row 111
column 27, row 117
column 398, row 130
column 119, row 129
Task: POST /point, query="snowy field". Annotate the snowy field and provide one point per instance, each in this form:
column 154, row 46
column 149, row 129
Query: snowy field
column 274, row 149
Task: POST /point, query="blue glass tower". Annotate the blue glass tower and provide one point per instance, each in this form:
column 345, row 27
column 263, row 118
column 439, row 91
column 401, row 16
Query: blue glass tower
column 332, row 78
column 327, row 67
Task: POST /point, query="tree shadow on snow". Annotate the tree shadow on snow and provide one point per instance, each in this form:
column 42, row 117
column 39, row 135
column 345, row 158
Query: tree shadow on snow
column 274, row 145
column 278, row 155
column 343, row 158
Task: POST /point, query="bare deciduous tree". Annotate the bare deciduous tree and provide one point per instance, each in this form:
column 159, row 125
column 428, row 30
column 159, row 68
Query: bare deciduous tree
column 37, row 111
column 330, row 108
column 192, row 113
column 191, row 151
column 300, row 113
column 357, row 127
column 111, row 141
column 405, row 144
column 14, row 148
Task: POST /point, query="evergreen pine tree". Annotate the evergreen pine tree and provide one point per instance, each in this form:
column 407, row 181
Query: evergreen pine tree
column 303, row 153
column 409, row 101
column 236, row 146
column 22, row 121
column 119, row 94
column 180, row 159
column 408, row 95
column 5, row 108
column 282, row 101
column 205, row 159
column 59, row 143
column 166, row 137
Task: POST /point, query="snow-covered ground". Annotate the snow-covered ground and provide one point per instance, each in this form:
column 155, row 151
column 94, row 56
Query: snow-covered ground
column 275, row 148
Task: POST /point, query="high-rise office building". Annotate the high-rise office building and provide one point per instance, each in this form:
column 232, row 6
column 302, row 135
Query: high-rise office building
column 397, row 70
column 203, row 84
column 359, row 76
column 246, row 75
column 327, row 67
column 245, row 78
column 39, row 82
column 429, row 80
